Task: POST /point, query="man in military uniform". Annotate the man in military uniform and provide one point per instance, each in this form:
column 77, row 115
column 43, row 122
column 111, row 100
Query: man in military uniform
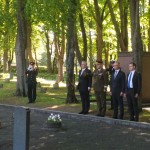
column 100, row 79
column 31, row 82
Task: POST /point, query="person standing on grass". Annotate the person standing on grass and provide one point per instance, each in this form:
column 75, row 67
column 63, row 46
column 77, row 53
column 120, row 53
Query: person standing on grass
column 110, row 70
column 117, row 90
column 133, row 89
column 31, row 82
column 100, row 81
column 84, row 87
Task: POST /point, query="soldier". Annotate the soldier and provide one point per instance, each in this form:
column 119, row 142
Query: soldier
column 100, row 80
column 31, row 82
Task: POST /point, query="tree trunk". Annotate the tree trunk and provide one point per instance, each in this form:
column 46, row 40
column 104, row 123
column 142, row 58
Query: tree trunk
column 55, row 67
column 60, row 57
column 83, row 35
column 6, row 37
column 5, row 61
column 99, row 28
column 49, row 68
column 91, row 53
column 29, row 44
column 35, row 56
column 21, row 45
column 77, row 50
column 149, row 30
column 70, row 81
column 137, row 46
column 116, row 25
column 123, row 7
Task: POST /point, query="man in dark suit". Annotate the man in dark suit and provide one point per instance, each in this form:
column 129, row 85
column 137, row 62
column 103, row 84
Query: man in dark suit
column 133, row 89
column 117, row 89
column 100, row 82
column 84, row 87
column 31, row 82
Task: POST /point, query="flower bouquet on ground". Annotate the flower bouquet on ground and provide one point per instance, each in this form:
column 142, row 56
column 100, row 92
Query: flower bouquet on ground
column 54, row 121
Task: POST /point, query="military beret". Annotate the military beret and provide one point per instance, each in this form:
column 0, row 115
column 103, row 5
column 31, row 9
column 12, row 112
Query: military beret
column 99, row 61
column 32, row 63
column 112, row 61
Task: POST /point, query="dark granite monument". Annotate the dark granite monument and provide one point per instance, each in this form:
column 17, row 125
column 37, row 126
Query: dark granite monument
column 125, row 58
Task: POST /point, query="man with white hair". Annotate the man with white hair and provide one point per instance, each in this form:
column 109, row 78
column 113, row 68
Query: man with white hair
column 84, row 87
column 117, row 90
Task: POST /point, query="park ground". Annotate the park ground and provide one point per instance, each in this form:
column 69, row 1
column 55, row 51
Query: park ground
column 54, row 99
column 78, row 132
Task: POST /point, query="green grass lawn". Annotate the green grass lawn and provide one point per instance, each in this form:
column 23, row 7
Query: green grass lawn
column 53, row 99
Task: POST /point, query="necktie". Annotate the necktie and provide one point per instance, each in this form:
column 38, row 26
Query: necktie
column 81, row 72
column 115, row 74
column 129, row 79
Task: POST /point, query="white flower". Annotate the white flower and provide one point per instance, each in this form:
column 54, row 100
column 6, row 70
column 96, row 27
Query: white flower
column 54, row 118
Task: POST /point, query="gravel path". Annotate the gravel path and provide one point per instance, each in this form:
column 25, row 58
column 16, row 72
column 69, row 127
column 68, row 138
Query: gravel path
column 75, row 134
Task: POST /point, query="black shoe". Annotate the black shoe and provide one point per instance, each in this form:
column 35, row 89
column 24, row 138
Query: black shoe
column 81, row 112
column 131, row 118
column 85, row 113
column 115, row 117
column 121, row 118
column 98, row 114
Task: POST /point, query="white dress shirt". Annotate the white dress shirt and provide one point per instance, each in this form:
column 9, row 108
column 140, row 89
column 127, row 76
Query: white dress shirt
column 82, row 71
column 116, row 72
column 131, row 83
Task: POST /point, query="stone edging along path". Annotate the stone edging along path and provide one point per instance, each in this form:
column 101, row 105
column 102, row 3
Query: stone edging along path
column 110, row 121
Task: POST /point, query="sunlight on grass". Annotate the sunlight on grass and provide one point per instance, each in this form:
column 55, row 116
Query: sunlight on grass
column 54, row 99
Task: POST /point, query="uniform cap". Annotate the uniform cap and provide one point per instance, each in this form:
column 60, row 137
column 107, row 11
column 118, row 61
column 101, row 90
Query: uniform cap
column 99, row 61
column 32, row 63
column 112, row 61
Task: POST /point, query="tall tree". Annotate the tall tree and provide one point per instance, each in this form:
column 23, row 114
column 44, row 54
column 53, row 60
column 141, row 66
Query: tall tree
column 123, row 7
column 70, row 81
column 116, row 25
column 78, row 53
column 99, row 21
column 81, row 19
column 49, row 52
column 136, row 40
column 29, row 41
column 60, row 50
column 149, row 28
column 21, row 45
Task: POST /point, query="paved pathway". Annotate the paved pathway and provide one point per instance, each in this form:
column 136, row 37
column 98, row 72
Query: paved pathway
column 77, row 133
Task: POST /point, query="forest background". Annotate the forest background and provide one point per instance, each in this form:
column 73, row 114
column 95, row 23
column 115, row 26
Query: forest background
column 59, row 34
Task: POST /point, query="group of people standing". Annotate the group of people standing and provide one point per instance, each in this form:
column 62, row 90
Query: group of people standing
column 120, row 86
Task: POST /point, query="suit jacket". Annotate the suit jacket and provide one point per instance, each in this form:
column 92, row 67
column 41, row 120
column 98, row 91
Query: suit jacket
column 118, row 84
column 100, row 79
column 85, row 80
column 137, row 82
column 111, row 71
column 31, row 76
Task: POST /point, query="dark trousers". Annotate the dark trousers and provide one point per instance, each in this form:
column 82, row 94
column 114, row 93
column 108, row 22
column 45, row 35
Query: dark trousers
column 111, row 100
column 85, row 101
column 32, row 92
column 118, row 102
column 101, row 102
column 132, row 105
